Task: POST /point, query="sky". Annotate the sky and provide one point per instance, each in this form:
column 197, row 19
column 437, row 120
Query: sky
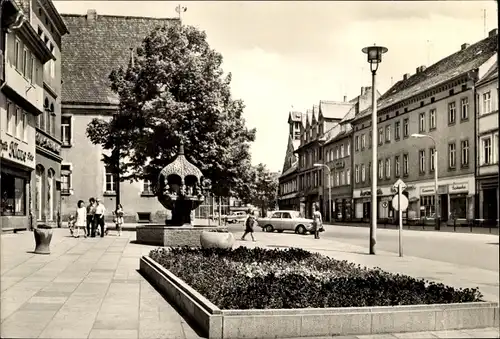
column 289, row 55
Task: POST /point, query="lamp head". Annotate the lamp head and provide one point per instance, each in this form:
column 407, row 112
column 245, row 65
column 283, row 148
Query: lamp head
column 374, row 55
column 416, row 135
column 318, row 165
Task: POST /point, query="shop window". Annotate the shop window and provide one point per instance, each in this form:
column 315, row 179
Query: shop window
column 427, row 206
column 458, row 206
column 13, row 195
column 66, row 176
column 66, row 132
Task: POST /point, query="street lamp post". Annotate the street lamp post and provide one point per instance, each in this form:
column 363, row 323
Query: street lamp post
column 374, row 54
column 329, row 189
column 436, row 201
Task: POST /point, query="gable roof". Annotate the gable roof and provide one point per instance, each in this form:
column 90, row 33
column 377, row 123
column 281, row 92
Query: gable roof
column 334, row 109
column 294, row 117
column 491, row 74
column 441, row 72
column 95, row 47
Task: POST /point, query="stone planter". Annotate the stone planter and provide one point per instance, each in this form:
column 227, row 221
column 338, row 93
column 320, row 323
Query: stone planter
column 216, row 239
column 43, row 236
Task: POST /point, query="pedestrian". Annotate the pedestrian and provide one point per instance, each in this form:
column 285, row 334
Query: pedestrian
column 249, row 224
column 71, row 223
column 90, row 217
column 119, row 219
column 317, row 221
column 81, row 218
column 99, row 216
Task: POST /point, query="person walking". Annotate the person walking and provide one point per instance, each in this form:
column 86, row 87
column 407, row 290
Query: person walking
column 90, row 218
column 99, row 216
column 119, row 219
column 81, row 219
column 317, row 221
column 249, row 224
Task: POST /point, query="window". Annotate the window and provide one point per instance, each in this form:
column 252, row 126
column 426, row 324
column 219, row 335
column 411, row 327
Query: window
column 380, row 169
column 452, row 156
column 486, row 102
column 356, row 174
column 464, row 160
column 66, row 130
column 397, row 166
column 487, row 151
column 19, row 123
column 348, row 176
column 25, row 126
column 363, row 173
column 370, row 139
column 337, row 152
column 388, row 168
column 406, row 128
column 48, row 118
column 342, row 150
column 53, row 120
column 52, row 65
column 110, row 180
column 421, row 161
column 17, row 55
column 348, row 148
column 363, row 141
column 388, row 133
column 11, row 119
column 405, row 164
column 356, row 143
column 147, row 186
column 452, row 112
column 421, row 122
column 428, row 203
column 464, row 104
column 433, row 155
column 26, row 62
column 432, row 119
column 65, row 179
column 397, row 130
column 342, row 178
column 337, row 179
column 13, row 199
column 380, row 136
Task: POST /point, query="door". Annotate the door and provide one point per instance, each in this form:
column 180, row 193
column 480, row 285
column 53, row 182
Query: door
column 286, row 222
column 444, row 207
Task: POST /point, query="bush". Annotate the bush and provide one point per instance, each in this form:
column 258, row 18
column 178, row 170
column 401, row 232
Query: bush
column 258, row 278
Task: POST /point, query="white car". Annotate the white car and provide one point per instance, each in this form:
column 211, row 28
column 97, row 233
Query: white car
column 286, row 221
column 239, row 216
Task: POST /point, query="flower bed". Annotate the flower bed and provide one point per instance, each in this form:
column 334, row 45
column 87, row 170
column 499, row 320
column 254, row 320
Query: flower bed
column 259, row 278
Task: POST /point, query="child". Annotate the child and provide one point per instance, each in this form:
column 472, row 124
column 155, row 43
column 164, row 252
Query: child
column 71, row 223
column 119, row 219
column 81, row 219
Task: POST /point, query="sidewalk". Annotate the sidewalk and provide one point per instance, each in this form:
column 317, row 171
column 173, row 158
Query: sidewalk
column 90, row 288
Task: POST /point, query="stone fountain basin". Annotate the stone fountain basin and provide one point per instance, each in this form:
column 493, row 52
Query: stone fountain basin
column 172, row 236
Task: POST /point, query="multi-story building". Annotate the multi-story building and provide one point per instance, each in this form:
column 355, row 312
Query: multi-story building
column 21, row 102
column 487, row 145
column 97, row 45
column 288, row 182
column 437, row 101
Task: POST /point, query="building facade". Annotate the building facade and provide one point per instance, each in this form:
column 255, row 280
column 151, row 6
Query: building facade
column 437, row 101
column 21, row 102
column 487, row 146
column 96, row 46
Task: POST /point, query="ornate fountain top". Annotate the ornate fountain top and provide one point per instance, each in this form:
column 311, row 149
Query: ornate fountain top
column 181, row 166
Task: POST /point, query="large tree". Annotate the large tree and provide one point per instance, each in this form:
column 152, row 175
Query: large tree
column 261, row 188
column 176, row 90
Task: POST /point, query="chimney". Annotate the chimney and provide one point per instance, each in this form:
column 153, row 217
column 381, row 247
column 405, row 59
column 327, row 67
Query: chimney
column 464, row 46
column 493, row 32
column 345, row 98
column 91, row 15
column 406, row 76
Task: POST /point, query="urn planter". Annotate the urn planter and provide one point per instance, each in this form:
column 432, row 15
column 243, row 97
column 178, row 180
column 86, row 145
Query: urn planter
column 216, row 239
column 43, row 236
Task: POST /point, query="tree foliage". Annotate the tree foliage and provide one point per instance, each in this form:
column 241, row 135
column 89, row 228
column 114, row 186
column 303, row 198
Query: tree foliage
column 260, row 188
column 176, row 90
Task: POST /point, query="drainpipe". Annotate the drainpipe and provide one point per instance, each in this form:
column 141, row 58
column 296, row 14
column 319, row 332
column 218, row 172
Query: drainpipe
column 474, row 77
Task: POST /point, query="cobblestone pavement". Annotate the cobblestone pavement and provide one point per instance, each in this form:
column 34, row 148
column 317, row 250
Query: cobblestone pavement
column 90, row 288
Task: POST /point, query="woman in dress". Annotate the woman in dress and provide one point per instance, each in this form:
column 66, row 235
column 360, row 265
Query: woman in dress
column 249, row 223
column 317, row 221
column 81, row 219
column 119, row 219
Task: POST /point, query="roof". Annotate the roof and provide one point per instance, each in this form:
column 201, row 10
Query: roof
column 295, row 116
column 442, row 71
column 334, row 109
column 491, row 74
column 292, row 169
column 296, row 144
column 94, row 48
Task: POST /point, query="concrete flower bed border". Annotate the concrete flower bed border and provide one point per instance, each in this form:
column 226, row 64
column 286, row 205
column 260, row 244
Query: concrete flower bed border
column 286, row 323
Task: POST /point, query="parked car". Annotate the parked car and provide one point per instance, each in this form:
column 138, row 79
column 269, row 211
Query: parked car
column 285, row 221
column 236, row 217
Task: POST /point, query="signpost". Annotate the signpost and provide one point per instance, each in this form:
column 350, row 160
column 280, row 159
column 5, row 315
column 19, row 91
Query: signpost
column 400, row 202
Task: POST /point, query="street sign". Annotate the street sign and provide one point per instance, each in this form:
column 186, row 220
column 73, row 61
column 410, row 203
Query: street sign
column 404, row 202
column 399, row 183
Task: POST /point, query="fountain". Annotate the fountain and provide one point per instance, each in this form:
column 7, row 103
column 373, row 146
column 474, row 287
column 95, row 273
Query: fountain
column 181, row 189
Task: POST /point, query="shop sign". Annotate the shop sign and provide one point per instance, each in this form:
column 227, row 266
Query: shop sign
column 459, row 187
column 369, row 192
column 427, row 190
column 14, row 152
column 45, row 142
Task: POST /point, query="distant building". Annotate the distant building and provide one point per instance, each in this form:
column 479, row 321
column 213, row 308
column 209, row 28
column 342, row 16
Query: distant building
column 437, row 101
column 97, row 45
column 487, row 145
